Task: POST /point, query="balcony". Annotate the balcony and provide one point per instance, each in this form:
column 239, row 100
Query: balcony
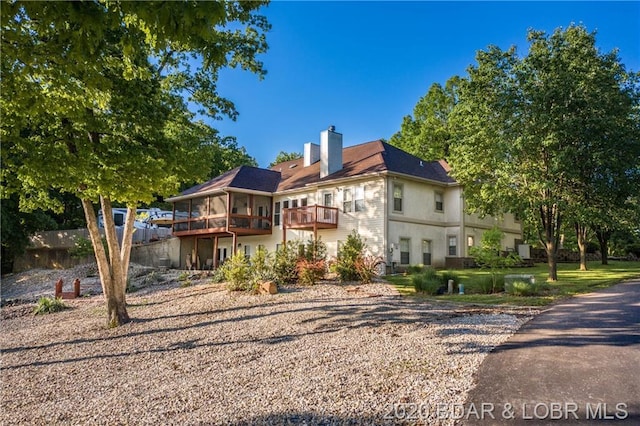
column 310, row 218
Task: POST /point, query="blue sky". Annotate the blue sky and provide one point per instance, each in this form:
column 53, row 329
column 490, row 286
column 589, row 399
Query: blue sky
column 362, row 66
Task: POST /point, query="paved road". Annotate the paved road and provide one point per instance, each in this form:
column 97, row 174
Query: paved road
column 577, row 363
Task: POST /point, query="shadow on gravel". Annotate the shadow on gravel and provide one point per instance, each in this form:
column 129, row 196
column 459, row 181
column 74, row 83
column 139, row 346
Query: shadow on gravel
column 313, row 419
column 312, row 316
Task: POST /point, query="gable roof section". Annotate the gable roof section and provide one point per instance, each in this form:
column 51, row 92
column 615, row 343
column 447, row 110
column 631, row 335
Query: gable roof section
column 357, row 160
column 370, row 157
column 243, row 177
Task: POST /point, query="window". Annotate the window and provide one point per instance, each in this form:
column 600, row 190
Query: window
column 118, row 219
column 397, row 197
column 328, row 199
column 453, row 245
column 426, row 252
column 294, row 204
column 439, row 202
column 303, row 202
column 404, row 251
column 285, row 204
column 346, row 200
column 276, row 214
column 359, row 199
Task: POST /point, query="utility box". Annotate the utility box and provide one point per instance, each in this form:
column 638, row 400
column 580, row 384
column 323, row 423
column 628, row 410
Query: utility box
column 524, row 251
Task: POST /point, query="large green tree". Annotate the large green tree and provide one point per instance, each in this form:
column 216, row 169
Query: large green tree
column 285, row 156
column 427, row 134
column 545, row 133
column 94, row 103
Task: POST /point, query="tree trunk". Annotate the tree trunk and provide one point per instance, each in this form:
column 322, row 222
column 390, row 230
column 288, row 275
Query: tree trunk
column 581, row 233
column 603, row 236
column 550, row 236
column 109, row 265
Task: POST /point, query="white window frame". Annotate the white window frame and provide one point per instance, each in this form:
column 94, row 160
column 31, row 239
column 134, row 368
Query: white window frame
column 400, row 186
column 438, row 195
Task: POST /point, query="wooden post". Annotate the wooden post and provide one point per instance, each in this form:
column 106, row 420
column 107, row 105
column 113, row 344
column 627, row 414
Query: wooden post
column 215, row 252
column 58, row 288
column 76, row 287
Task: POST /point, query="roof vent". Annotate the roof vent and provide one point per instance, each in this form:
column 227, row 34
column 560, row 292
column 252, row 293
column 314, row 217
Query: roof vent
column 421, row 165
column 332, row 128
column 293, row 166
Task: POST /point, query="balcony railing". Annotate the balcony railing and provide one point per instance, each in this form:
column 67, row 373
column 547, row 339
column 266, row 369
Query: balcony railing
column 311, row 217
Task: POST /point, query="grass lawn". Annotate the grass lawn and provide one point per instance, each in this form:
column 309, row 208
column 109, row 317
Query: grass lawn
column 571, row 281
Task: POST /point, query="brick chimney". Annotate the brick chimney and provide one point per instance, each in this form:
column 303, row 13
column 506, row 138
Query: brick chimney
column 330, row 152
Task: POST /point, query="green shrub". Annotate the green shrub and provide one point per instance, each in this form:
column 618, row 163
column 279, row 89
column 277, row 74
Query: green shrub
column 83, row 248
column 285, row 262
column 449, row 275
column 186, row 283
column 425, row 283
column 521, row 288
column 415, row 269
column 183, row 276
column 315, row 250
column 217, row 276
column 348, row 254
column 262, row 265
column 47, row 305
column 237, row 273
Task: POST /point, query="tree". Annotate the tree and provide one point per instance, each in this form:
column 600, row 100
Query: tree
column 522, row 124
column 285, row 156
column 99, row 105
column 427, row 134
column 488, row 255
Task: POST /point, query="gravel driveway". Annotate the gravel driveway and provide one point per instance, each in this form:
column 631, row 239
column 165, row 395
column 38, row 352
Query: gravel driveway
column 327, row 354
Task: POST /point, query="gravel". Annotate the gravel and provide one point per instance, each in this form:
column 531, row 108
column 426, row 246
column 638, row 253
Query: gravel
column 323, row 355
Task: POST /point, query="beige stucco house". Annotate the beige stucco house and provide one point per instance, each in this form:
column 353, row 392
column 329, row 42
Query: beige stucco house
column 408, row 210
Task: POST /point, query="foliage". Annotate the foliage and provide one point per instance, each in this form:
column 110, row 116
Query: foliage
column 449, row 275
column 486, row 284
column 521, row 122
column 315, row 250
column 100, row 103
column 217, row 276
column 488, row 255
column 48, row 305
column 367, row 267
column 348, row 254
column 427, row 134
column 427, row 282
column 237, row 273
column 17, row 226
column 570, row 282
column 285, row 263
column 83, row 247
column 415, row 269
column 262, row 266
column 285, row 156
column 310, row 271
column 522, row 288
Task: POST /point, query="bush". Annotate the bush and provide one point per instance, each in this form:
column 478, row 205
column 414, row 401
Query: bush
column 415, row 269
column 237, row 273
column 262, row 266
column 310, row 271
column 348, row 255
column 449, row 275
column 83, row 248
column 285, row 263
column 367, row 267
column 521, row 288
column 47, row 305
column 427, row 282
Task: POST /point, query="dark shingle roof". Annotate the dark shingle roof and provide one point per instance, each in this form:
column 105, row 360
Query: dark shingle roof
column 357, row 160
column 243, row 177
column 370, row 157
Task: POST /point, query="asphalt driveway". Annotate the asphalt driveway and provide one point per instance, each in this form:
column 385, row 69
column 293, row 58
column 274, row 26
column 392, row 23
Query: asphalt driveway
column 578, row 363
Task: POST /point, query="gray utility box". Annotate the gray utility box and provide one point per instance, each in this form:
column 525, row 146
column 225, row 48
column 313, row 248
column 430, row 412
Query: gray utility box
column 510, row 279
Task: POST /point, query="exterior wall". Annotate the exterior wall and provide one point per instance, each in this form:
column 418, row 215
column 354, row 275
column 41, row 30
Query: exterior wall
column 369, row 223
column 421, row 222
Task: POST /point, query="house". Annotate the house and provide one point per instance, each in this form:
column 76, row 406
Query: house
column 409, row 211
